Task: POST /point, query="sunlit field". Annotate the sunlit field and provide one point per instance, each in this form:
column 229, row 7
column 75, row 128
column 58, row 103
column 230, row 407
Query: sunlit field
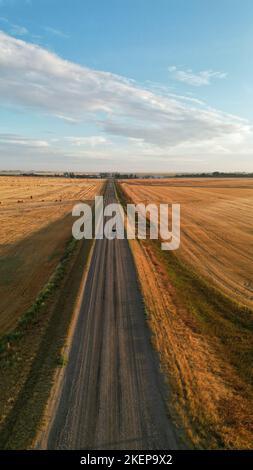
column 35, row 224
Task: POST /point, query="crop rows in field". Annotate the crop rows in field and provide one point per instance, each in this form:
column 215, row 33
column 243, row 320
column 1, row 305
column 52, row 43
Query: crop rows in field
column 216, row 227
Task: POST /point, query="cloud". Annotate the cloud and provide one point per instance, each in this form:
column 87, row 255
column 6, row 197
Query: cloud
column 17, row 30
column 17, row 140
column 14, row 29
column 93, row 140
column 67, row 118
column 91, row 154
column 196, row 79
column 56, row 32
column 139, row 119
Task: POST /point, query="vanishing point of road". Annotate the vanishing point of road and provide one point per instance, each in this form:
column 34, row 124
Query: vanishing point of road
column 112, row 395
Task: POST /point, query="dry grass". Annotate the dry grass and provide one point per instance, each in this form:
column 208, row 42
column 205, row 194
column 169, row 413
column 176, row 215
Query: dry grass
column 204, row 339
column 34, row 350
column 216, row 227
column 33, row 236
column 41, row 271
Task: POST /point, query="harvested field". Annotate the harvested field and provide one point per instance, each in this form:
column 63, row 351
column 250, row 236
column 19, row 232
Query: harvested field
column 35, row 224
column 216, row 227
column 204, row 338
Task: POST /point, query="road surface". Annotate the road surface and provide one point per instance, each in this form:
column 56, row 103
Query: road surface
column 112, row 394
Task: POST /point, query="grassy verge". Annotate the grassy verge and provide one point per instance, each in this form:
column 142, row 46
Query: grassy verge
column 8, row 341
column 215, row 313
column 32, row 352
column 205, row 344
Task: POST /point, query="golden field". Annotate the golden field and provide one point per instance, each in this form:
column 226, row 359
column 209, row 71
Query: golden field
column 35, row 224
column 198, row 301
column 216, row 227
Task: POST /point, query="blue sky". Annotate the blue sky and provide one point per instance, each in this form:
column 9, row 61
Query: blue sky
column 134, row 85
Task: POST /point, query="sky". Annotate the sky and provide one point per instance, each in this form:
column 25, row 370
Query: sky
column 126, row 85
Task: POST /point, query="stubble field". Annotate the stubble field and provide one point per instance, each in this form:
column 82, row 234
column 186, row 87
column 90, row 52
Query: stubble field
column 216, row 227
column 35, row 225
column 199, row 305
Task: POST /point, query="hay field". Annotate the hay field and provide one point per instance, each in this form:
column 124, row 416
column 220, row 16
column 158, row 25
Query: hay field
column 203, row 337
column 216, row 227
column 35, row 224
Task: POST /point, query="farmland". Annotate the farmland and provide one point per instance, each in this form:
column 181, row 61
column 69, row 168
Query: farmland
column 216, row 227
column 39, row 263
column 35, row 224
column 198, row 302
column 198, row 306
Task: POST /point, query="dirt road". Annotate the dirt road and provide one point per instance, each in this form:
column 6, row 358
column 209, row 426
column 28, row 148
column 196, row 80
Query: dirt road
column 112, row 395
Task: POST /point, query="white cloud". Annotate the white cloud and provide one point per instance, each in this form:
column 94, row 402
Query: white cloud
column 56, row 32
column 13, row 28
column 92, row 140
column 203, row 77
column 18, row 30
column 136, row 155
column 67, row 118
column 142, row 122
column 17, row 140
